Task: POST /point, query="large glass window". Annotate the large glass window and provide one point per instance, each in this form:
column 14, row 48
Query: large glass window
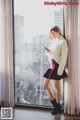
column 32, row 22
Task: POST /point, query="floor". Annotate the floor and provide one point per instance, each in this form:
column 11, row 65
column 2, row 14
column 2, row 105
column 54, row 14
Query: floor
column 35, row 114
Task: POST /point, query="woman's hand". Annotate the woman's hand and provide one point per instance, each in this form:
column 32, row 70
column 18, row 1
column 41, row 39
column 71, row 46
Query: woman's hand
column 48, row 50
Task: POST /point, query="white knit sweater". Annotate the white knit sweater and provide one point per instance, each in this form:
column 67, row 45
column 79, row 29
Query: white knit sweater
column 59, row 52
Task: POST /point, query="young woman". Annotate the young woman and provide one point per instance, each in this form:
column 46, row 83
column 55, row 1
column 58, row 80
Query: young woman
column 57, row 54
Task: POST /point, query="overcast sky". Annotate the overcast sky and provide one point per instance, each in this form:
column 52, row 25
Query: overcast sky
column 38, row 18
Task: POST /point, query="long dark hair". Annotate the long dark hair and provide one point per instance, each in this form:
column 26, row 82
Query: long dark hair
column 56, row 29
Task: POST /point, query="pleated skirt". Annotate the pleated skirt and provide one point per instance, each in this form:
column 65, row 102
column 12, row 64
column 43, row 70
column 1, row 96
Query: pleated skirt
column 51, row 73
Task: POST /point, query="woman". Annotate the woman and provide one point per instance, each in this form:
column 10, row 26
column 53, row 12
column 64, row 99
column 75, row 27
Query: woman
column 57, row 54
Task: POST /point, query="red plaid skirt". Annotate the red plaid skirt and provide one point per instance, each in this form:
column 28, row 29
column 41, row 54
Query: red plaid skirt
column 51, row 73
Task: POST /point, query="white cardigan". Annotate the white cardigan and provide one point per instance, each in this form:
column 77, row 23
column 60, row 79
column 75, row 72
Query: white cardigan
column 59, row 52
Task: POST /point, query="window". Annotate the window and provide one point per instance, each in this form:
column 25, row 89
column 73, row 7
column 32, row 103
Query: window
column 32, row 22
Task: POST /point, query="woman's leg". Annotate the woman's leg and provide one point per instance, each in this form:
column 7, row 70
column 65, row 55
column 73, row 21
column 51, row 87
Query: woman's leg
column 47, row 87
column 58, row 90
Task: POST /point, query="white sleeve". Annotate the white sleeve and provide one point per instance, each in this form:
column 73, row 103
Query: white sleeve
column 64, row 55
column 49, row 54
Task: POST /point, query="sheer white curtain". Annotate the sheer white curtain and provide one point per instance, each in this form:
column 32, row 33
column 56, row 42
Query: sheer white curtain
column 6, row 54
column 71, row 84
column 79, row 53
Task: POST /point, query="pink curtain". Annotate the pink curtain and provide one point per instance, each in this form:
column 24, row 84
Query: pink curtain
column 79, row 53
column 6, row 54
column 71, row 88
